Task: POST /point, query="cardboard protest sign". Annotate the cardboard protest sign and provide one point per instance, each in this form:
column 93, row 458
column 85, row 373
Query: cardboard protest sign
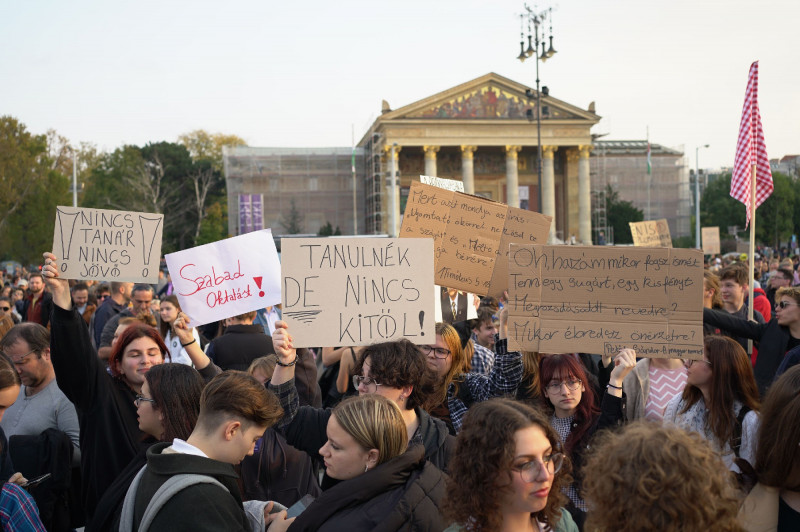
column 566, row 299
column 471, row 236
column 651, row 233
column 227, row 278
column 710, row 237
column 446, row 184
column 453, row 305
column 108, row 245
column 358, row 291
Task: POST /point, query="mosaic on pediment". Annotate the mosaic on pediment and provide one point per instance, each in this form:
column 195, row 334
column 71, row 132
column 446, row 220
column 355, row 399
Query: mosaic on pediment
column 487, row 102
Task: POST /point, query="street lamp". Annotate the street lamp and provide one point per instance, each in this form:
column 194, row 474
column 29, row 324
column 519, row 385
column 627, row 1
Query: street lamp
column 535, row 19
column 697, row 196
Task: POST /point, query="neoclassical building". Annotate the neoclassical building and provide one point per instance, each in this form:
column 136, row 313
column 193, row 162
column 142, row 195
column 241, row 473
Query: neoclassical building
column 484, row 133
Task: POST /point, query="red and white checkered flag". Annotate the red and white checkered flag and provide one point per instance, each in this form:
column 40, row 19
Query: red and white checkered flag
column 750, row 150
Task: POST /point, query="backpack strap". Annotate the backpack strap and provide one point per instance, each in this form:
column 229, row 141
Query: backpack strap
column 168, row 489
column 736, row 437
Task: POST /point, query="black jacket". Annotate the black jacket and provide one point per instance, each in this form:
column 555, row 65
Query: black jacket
column 773, row 340
column 201, row 507
column 402, row 494
column 239, row 346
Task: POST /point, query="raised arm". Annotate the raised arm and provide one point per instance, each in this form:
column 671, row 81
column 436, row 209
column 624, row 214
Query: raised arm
column 189, row 342
column 734, row 325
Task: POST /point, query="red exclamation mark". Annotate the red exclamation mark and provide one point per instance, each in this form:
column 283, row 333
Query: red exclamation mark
column 258, row 282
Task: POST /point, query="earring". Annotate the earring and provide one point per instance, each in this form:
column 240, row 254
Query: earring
column 366, row 468
column 401, row 398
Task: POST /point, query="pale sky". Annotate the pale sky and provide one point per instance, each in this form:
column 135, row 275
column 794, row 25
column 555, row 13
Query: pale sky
column 304, row 74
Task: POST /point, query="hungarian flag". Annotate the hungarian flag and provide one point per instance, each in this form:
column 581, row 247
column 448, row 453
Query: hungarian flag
column 751, row 150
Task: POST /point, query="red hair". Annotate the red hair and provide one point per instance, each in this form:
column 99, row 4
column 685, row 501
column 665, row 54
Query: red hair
column 561, row 367
column 134, row 332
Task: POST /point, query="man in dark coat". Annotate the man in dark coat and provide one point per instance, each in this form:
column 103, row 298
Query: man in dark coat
column 242, row 343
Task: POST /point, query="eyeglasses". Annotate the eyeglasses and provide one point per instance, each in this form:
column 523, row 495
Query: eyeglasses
column 21, row 360
column 102, row 297
column 140, row 398
column 5, row 309
column 438, row 352
column 571, row 384
column 783, row 304
column 690, row 363
column 369, row 383
column 529, row 471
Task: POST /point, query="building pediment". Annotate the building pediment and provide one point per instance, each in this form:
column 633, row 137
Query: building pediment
column 490, row 97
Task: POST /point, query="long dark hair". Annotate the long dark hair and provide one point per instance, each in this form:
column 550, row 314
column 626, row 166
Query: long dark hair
column 166, row 327
column 731, row 380
column 560, row 367
column 778, row 454
column 480, row 471
column 176, row 390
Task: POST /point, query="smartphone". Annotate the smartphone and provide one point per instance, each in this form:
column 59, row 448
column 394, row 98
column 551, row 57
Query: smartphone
column 32, row 483
column 299, row 507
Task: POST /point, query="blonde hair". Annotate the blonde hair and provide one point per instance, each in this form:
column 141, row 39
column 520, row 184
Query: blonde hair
column 374, row 422
column 265, row 364
column 459, row 365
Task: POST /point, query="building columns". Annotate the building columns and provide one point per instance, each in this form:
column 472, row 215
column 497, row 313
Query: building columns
column 467, row 168
column 512, row 175
column 549, row 187
column 430, row 160
column 584, row 197
column 392, row 152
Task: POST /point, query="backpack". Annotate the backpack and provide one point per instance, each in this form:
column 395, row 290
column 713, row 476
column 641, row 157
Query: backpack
column 746, row 478
column 173, row 485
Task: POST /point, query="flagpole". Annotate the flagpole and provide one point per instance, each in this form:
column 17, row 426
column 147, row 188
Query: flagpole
column 751, row 254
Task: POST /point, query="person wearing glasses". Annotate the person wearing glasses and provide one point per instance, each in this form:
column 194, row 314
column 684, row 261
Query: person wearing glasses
column 458, row 389
column 396, row 370
column 569, row 398
column 720, row 402
column 775, row 338
column 651, row 477
column 523, row 469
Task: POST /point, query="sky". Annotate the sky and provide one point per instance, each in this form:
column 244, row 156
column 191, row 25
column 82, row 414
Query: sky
column 282, row 74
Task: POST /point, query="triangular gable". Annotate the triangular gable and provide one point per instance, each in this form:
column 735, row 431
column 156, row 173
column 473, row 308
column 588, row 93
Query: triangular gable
column 489, row 97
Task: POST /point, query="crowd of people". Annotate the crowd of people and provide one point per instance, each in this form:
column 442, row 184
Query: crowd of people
column 116, row 413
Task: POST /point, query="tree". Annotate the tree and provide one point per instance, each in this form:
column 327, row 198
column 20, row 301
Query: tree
column 327, row 230
column 293, row 222
column 719, row 209
column 203, row 145
column 619, row 213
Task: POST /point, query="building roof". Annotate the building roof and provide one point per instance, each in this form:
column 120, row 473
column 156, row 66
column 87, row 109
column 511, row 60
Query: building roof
column 619, row 147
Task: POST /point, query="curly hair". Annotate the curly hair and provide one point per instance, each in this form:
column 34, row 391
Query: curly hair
column 480, row 470
column 778, row 453
column 731, row 380
column 399, row 364
column 649, row 477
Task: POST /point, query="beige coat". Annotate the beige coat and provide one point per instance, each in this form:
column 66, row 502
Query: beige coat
column 759, row 511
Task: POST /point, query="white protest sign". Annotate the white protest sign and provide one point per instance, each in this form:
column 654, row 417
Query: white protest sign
column 227, row 278
column 358, row 291
column 108, row 245
column 446, row 184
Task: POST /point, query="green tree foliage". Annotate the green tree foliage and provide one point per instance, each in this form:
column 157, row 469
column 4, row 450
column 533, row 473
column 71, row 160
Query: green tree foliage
column 327, row 230
column 203, row 145
column 776, row 219
column 619, row 213
column 30, row 190
column 292, row 222
column 215, row 225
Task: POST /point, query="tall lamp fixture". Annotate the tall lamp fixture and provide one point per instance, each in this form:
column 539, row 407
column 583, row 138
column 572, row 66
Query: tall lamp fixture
column 698, row 244
column 534, row 20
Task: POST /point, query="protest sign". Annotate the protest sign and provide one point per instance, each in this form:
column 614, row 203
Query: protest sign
column 471, row 236
column 226, row 278
column 108, row 245
column 446, row 184
column 358, row 291
column 566, row 299
column 651, row 233
column 453, row 305
column 710, row 236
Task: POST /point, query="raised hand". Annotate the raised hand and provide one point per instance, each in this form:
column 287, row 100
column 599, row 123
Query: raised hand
column 59, row 288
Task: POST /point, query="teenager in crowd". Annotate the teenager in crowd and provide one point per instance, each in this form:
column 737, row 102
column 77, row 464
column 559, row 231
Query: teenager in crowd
column 522, row 470
column 774, row 503
column 235, row 410
column 384, row 484
column 167, row 408
column 720, row 401
column 169, row 310
column 457, row 390
column 395, row 370
column 109, row 429
column 649, row 477
column 774, row 338
column 571, row 403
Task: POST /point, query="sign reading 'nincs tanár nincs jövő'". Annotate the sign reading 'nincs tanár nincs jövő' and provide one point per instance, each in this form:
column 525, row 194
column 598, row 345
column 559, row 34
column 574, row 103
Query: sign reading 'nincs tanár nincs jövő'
column 358, row 291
